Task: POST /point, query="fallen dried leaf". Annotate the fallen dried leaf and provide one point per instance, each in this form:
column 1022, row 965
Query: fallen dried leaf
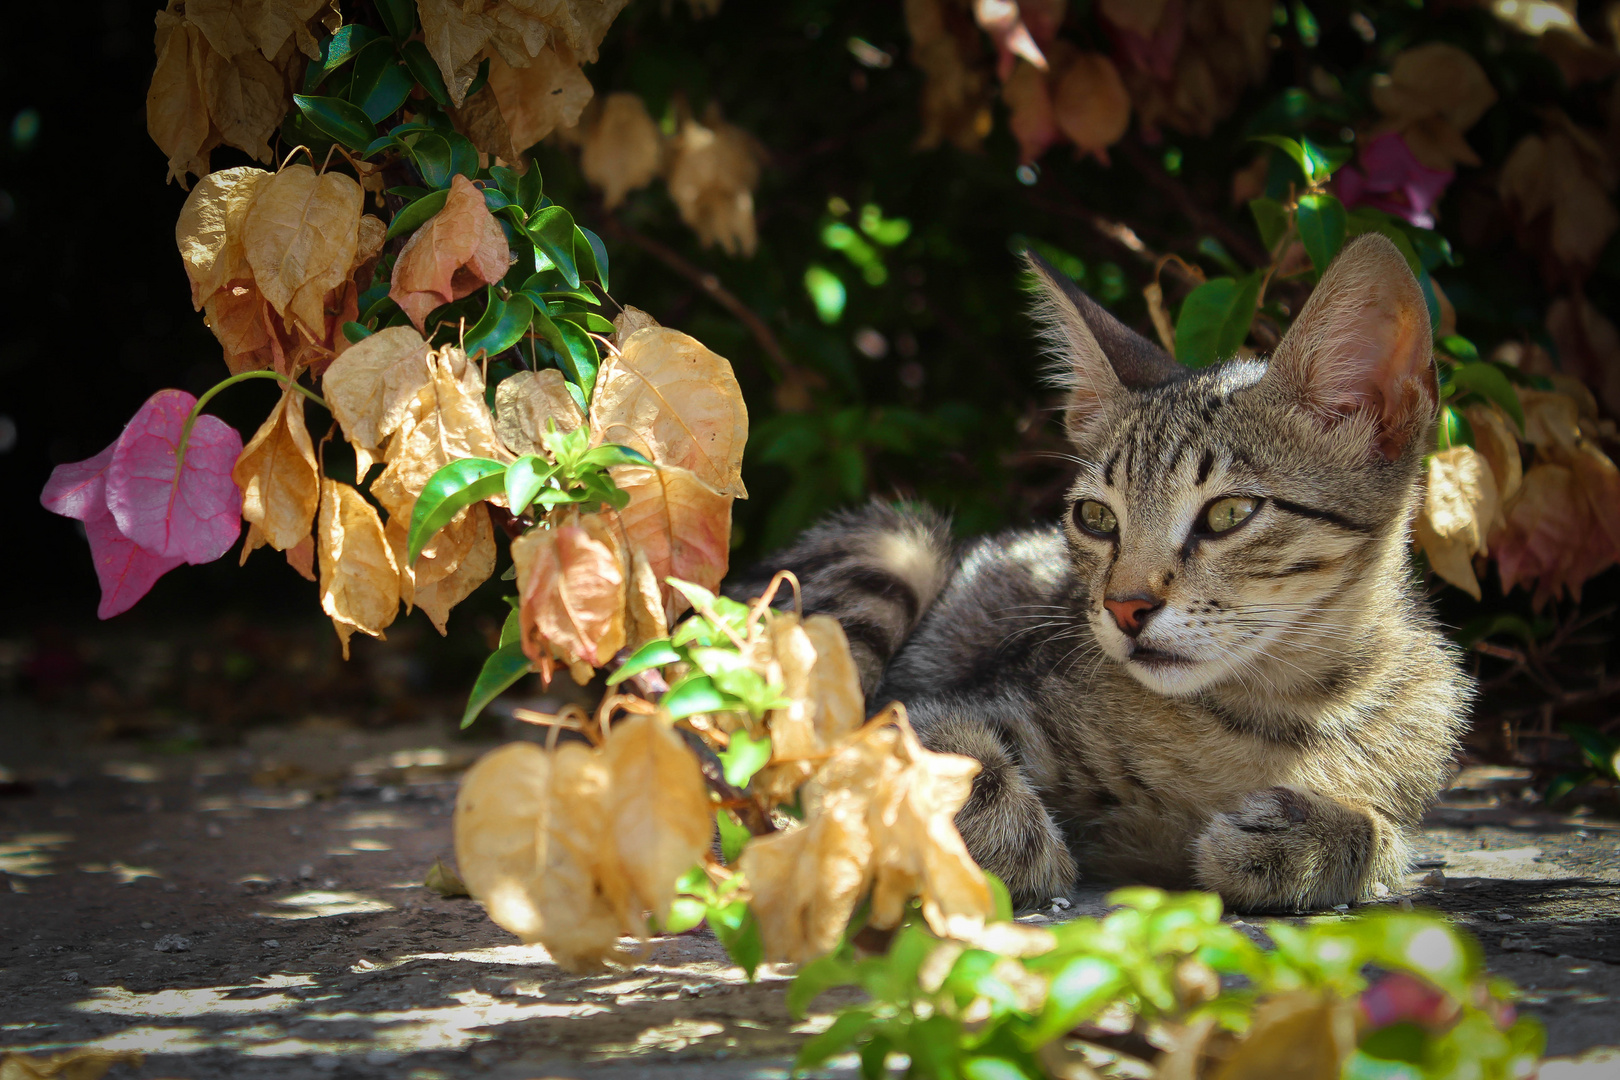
column 278, row 475
column 83, row 1063
column 670, row 398
column 459, row 250
column 444, row 881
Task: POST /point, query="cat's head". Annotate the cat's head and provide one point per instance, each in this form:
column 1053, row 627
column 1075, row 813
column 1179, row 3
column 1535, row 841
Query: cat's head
column 1232, row 525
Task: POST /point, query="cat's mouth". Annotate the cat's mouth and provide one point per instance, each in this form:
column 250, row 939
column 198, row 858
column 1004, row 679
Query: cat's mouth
column 1157, row 659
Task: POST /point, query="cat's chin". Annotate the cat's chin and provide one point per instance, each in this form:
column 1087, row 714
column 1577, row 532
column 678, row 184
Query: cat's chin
column 1170, row 674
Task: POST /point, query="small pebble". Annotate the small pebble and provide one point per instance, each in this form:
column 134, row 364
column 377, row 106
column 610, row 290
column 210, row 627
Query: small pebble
column 213, row 830
column 272, row 944
column 172, row 943
column 1518, row 943
column 72, row 977
column 146, row 926
column 1504, row 917
column 1341, row 907
column 1434, row 879
column 1380, row 890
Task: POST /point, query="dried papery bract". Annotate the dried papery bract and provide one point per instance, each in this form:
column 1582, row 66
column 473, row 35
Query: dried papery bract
column 300, row 237
column 1458, row 508
column 1090, row 105
column 677, row 526
column 955, row 102
column 359, row 578
column 209, row 231
column 456, row 562
column 278, row 475
column 372, row 388
column 459, row 250
column 176, row 110
column 811, row 661
column 535, row 100
column 622, row 148
column 500, row 828
column 1028, row 94
column 526, row 402
column 657, row 807
column 711, row 171
column 571, row 580
column 1432, row 95
column 880, row 812
column 671, row 399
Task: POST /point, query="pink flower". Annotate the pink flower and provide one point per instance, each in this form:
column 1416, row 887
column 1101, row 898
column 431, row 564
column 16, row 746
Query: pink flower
column 1387, row 177
column 143, row 520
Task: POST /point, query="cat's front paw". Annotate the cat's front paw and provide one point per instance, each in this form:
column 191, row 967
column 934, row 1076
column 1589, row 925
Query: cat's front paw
column 1010, row 834
column 1283, row 848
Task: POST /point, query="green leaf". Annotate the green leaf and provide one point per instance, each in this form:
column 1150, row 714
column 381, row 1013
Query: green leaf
column 581, row 360
column 512, row 628
column 355, row 332
column 531, row 189
column 586, row 320
column 430, row 153
column 1487, row 380
column 1000, row 896
column 738, row 932
column 610, row 455
column 447, row 492
column 1080, row 987
column 814, row 979
column 733, row 835
column 744, row 756
column 1322, row 223
column 592, row 256
column 1597, row 747
column 875, row 1058
column 479, row 79
column 380, row 85
column 426, row 72
column 501, row 326
column 1214, row 319
column 414, row 215
column 655, row 653
column 1487, row 626
column 337, row 120
column 552, row 230
column 1458, row 347
column 505, row 666
column 463, row 154
column 1453, row 430
column 1270, row 217
column 524, row 479
column 696, row 694
column 843, row 1033
column 399, row 16
column 342, row 47
column 1315, row 162
column 685, row 912
column 994, row 1068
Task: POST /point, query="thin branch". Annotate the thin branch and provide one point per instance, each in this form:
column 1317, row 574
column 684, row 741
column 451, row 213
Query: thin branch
column 1115, row 232
column 1240, row 245
column 781, row 366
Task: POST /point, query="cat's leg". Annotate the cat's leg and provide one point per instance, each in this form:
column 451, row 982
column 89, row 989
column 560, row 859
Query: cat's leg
column 1285, row 848
column 1007, row 829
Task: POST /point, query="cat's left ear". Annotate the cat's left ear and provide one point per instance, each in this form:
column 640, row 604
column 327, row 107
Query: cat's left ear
column 1361, row 351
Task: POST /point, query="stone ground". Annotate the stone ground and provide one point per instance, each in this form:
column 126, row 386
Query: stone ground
column 258, row 912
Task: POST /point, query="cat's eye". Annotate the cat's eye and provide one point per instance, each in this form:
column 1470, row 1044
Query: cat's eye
column 1229, row 513
column 1095, row 518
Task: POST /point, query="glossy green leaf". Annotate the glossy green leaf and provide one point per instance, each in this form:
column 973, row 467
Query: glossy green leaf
column 1458, row 347
column 354, row 332
column 611, row 454
column 1315, row 162
column 685, row 912
column 399, row 16
column 589, row 321
column 654, row 654
column 337, row 120
column 479, row 79
column 380, row 84
column 738, row 932
column 1078, row 989
column 512, row 628
column 996, row 1068
column 1599, row 748
column 342, row 47
column 581, row 360
column 426, row 72
column 1214, row 319
column 505, row 666
column 552, row 230
column 414, row 215
column 734, row 835
column 1486, row 380
column 1453, row 429
column 501, row 325
column 463, row 154
column 431, row 155
column 815, row 978
column 1271, row 218
column 525, row 477
column 449, row 491
column 744, row 756
column 592, row 256
column 843, row 1034
column 1322, row 224
column 696, row 694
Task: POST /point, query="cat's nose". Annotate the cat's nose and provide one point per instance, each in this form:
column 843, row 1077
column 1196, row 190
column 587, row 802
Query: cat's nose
column 1131, row 613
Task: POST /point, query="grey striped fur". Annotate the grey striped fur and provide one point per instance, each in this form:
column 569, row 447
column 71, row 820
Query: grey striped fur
column 1309, row 710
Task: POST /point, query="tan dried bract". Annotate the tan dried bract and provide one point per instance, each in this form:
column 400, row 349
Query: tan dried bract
column 711, row 171
column 622, row 147
column 300, row 237
column 548, row 93
column 1090, row 105
column 209, row 232
column 502, row 811
column 460, row 250
column 572, row 581
column 1028, row 94
column 278, row 475
column 526, row 402
column 1432, row 95
column 678, row 526
column 956, row 92
column 372, row 388
column 670, row 398
column 1458, row 509
column 359, row 579
column 810, row 660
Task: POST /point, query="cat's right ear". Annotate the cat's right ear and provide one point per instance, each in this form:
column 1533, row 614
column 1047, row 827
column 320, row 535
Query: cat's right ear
column 1095, row 355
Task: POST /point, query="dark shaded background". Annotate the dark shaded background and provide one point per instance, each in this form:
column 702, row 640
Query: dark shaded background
column 952, row 410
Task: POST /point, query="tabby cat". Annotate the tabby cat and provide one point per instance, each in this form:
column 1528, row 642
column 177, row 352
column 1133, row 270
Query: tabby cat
column 1216, row 670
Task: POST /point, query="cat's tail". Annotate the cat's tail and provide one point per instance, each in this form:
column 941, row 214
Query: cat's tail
column 874, row 569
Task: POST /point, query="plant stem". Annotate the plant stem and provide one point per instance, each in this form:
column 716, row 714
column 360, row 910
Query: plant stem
column 208, row 395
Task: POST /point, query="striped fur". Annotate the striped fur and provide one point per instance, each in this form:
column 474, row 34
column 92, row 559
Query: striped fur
column 1288, row 710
